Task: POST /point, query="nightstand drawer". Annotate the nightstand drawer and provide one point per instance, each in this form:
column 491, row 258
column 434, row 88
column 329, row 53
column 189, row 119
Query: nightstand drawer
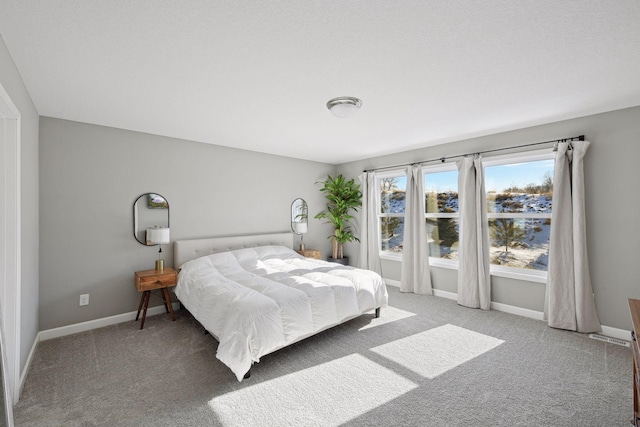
column 153, row 279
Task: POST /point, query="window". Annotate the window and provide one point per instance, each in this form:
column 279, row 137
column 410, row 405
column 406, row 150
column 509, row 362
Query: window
column 391, row 188
column 441, row 193
column 519, row 191
column 441, row 188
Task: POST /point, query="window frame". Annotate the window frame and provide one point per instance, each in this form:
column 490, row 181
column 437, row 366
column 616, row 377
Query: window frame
column 395, row 173
column 431, row 169
column 531, row 275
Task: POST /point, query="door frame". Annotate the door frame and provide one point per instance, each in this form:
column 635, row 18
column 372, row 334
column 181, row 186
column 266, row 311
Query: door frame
column 10, row 253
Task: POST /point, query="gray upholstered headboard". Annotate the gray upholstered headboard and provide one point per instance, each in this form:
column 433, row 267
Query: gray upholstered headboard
column 186, row 250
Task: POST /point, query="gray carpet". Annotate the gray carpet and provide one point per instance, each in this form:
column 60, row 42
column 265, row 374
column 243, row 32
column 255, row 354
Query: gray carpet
column 425, row 362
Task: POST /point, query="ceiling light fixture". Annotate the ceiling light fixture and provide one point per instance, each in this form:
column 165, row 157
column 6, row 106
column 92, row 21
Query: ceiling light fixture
column 344, row 106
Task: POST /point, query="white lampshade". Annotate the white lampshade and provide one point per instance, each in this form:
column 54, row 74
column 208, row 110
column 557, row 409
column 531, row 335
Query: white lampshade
column 300, row 227
column 344, row 106
column 157, row 235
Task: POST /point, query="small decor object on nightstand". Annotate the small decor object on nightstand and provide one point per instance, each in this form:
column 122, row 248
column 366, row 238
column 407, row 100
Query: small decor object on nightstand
column 151, row 280
column 310, row 253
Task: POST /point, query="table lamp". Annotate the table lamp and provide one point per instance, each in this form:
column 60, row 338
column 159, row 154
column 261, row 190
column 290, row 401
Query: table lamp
column 158, row 236
column 300, row 228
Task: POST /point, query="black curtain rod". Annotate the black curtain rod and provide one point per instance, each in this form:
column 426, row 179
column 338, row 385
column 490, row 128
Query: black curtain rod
column 442, row 159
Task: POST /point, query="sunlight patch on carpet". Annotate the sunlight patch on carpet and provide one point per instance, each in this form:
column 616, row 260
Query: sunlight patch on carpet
column 434, row 352
column 339, row 390
column 388, row 315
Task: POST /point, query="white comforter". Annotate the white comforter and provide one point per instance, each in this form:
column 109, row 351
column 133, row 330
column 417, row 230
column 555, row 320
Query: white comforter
column 257, row 300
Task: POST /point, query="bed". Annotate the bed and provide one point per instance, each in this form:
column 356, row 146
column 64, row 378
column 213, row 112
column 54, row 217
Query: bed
column 256, row 295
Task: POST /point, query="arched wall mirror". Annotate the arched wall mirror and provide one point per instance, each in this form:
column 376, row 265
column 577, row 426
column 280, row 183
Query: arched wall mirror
column 150, row 210
column 299, row 218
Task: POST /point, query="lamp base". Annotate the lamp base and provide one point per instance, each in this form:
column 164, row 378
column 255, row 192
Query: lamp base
column 160, row 265
column 301, row 246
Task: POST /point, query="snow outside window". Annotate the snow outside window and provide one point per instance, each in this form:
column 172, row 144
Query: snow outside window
column 442, row 216
column 519, row 193
column 391, row 189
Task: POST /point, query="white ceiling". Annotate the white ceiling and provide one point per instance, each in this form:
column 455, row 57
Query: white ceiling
column 256, row 75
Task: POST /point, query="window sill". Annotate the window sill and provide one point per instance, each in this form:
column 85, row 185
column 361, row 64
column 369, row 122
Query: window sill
column 497, row 271
column 391, row 257
column 515, row 273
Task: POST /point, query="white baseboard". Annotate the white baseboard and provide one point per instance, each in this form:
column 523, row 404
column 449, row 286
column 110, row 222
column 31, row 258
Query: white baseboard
column 620, row 334
column 520, row 311
column 82, row 327
column 608, row 331
column 27, row 365
column 99, row 323
column 391, row 282
column 445, row 294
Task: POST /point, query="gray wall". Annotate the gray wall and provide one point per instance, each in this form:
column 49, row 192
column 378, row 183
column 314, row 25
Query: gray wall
column 612, row 176
column 89, row 178
column 12, row 82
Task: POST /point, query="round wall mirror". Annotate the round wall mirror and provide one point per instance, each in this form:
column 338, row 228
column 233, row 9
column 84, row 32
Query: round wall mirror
column 299, row 216
column 150, row 210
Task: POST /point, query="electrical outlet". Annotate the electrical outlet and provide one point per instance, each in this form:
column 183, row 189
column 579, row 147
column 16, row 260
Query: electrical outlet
column 84, row 299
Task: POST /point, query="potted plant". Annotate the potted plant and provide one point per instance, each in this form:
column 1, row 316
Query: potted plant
column 342, row 197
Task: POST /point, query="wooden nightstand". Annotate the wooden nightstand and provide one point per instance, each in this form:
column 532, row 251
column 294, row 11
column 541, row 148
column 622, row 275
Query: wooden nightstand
column 311, row 253
column 151, row 280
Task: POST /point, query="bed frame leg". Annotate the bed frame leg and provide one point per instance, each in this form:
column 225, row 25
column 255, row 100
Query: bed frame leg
column 377, row 315
column 248, row 374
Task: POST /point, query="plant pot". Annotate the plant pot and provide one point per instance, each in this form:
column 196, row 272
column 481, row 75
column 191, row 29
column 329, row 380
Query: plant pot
column 343, row 261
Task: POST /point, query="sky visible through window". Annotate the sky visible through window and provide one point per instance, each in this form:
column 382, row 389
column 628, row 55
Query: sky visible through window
column 501, row 177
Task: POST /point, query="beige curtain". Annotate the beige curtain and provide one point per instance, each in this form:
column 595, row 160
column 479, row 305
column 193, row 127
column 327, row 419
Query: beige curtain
column 474, row 285
column 369, row 246
column 415, row 275
column 569, row 302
